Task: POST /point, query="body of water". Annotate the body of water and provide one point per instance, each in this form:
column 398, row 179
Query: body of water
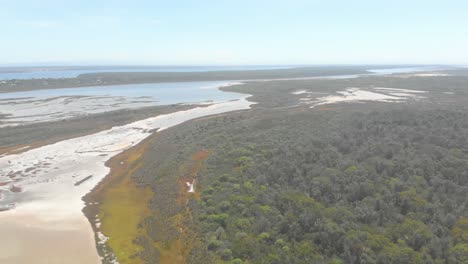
column 163, row 93
column 72, row 72
column 58, row 104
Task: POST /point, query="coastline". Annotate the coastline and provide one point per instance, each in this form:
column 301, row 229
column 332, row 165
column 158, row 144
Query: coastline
column 122, row 78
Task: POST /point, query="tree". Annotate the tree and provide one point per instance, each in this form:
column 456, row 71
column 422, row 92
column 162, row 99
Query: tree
column 413, row 232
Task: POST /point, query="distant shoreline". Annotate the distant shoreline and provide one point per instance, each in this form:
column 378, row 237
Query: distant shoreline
column 117, row 78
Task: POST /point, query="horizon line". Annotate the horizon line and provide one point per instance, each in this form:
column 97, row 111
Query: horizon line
column 48, row 65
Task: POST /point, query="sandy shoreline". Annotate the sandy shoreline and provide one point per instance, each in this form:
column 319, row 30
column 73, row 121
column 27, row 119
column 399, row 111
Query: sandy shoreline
column 47, row 177
column 27, row 239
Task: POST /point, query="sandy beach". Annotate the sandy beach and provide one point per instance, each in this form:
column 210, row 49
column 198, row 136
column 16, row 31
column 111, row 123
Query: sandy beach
column 28, row 239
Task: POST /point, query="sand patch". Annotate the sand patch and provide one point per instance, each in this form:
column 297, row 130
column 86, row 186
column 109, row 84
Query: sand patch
column 378, row 94
column 26, row 239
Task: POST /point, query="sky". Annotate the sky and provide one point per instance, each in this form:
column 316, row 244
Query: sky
column 236, row 32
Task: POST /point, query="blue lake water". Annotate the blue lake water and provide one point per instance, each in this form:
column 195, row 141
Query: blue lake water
column 58, row 104
column 57, row 73
column 163, row 93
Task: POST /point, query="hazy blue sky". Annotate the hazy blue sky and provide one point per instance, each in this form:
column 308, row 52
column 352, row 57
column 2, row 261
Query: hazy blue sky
column 233, row 32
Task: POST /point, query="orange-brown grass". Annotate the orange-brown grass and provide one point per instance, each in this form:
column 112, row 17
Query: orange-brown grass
column 177, row 250
column 201, row 155
column 17, row 149
column 123, row 205
column 325, row 108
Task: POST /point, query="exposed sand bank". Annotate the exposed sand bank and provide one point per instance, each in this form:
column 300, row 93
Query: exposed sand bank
column 353, row 94
column 26, row 239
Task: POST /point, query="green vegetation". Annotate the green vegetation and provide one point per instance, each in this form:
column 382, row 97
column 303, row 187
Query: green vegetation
column 330, row 187
column 350, row 183
column 379, row 188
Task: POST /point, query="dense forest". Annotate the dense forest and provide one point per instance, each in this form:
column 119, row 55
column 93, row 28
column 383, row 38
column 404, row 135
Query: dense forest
column 282, row 183
column 327, row 186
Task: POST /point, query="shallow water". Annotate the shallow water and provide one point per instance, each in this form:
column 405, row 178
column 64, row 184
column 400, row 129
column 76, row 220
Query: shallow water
column 58, row 104
column 164, row 93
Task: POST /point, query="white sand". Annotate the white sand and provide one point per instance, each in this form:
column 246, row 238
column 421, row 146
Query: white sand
column 407, row 95
column 26, row 240
column 47, row 177
column 359, row 95
column 299, row 92
column 353, row 94
column 305, row 92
